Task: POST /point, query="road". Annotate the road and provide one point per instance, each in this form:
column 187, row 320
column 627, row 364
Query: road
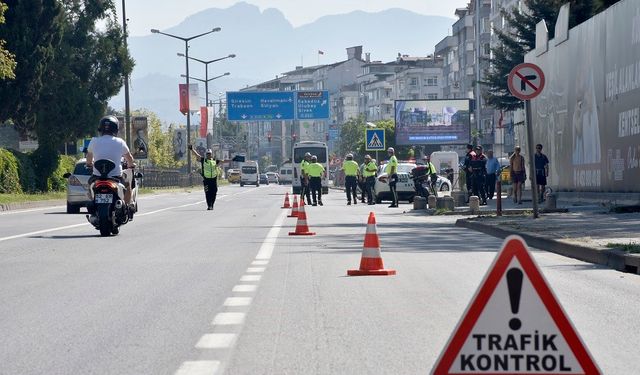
column 184, row 291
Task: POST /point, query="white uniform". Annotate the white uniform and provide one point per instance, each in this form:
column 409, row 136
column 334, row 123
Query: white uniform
column 110, row 148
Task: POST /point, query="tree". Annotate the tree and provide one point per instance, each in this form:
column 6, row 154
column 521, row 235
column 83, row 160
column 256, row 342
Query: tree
column 7, row 62
column 160, row 143
column 520, row 38
column 32, row 32
column 352, row 136
column 87, row 69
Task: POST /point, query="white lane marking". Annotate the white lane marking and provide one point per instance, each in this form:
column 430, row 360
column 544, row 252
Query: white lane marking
column 43, row 231
column 255, row 269
column 198, row 368
column 245, row 288
column 216, row 341
column 229, row 318
column 168, row 208
column 238, row 301
column 11, row 212
column 251, row 278
column 270, row 241
column 259, row 262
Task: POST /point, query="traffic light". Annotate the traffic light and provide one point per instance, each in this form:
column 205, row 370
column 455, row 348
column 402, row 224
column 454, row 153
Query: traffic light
column 326, row 136
column 269, row 137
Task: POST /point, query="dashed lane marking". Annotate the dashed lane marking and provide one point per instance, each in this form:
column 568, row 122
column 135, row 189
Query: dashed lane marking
column 229, row 318
column 216, row 341
column 250, row 278
column 198, row 368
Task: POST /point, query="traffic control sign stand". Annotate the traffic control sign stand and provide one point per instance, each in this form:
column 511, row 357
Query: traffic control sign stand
column 515, row 325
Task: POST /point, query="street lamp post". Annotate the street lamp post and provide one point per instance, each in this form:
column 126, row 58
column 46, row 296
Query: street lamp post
column 127, row 109
column 206, row 70
column 186, row 55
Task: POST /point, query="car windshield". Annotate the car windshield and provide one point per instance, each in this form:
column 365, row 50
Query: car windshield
column 81, row 169
column 402, row 168
column 320, row 152
column 249, row 170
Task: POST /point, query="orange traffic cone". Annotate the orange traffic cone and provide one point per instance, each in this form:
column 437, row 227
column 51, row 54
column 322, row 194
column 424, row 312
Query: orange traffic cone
column 371, row 261
column 294, row 209
column 301, row 226
column 286, row 201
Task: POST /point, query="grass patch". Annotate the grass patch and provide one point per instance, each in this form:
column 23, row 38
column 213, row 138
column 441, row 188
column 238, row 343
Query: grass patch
column 20, row 198
column 441, row 211
column 631, row 247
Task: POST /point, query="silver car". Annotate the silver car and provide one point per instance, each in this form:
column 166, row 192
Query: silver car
column 78, row 187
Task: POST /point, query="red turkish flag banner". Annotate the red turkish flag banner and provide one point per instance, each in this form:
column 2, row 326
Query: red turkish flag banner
column 184, row 98
column 204, row 118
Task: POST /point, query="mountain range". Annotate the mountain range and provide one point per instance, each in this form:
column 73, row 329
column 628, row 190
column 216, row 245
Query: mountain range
column 266, row 45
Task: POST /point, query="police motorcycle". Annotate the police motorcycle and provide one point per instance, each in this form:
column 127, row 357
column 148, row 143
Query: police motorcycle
column 423, row 182
column 108, row 210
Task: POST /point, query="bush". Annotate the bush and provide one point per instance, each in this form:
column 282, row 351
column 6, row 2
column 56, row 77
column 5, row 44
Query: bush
column 9, row 177
column 56, row 181
column 26, row 172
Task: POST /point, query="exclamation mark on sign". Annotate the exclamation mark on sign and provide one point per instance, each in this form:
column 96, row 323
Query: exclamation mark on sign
column 514, row 284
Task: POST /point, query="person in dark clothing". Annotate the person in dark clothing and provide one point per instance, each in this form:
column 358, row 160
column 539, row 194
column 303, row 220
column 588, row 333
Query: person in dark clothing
column 542, row 171
column 468, row 171
column 479, row 175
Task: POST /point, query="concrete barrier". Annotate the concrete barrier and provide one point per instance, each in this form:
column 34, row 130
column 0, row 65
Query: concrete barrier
column 419, row 203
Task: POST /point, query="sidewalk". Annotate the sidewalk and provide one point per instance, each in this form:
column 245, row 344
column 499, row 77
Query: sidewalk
column 581, row 231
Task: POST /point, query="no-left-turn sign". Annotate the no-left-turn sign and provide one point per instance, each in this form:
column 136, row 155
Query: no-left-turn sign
column 526, row 81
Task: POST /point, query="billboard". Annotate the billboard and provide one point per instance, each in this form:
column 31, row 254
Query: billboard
column 140, row 130
column 587, row 117
column 432, row 122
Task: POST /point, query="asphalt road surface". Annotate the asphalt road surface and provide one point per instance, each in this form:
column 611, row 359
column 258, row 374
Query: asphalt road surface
column 182, row 290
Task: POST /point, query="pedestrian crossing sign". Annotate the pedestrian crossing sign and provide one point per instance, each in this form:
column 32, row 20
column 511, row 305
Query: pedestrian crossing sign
column 374, row 140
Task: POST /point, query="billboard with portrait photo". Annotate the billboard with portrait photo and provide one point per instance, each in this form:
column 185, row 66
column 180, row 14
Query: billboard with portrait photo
column 432, row 122
column 179, row 144
column 140, row 131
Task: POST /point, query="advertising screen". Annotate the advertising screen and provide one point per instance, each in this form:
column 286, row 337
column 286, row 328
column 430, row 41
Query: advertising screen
column 432, row 122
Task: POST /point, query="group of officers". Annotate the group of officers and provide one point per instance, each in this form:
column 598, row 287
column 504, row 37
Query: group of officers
column 364, row 176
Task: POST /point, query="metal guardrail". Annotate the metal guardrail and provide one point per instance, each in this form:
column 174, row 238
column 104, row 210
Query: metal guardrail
column 161, row 178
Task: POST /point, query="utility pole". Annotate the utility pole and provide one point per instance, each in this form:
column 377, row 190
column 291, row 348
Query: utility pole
column 127, row 109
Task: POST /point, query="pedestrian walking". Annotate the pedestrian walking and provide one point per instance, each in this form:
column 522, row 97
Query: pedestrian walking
column 493, row 170
column 518, row 174
column 542, row 171
column 479, row 175
column 315, row 171
column 470, row 155
column 369, row 174
column 392, row 173
column 351, row 175
column 210, row 173
column 304, row 178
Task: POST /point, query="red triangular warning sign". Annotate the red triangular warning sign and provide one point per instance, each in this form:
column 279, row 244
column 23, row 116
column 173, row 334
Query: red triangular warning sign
column 515, row 325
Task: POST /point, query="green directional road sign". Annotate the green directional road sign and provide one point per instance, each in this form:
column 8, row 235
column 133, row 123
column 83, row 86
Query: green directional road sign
column 374, row 140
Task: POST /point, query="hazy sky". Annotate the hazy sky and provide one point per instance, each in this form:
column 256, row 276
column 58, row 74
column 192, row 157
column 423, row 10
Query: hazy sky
column 161, row 14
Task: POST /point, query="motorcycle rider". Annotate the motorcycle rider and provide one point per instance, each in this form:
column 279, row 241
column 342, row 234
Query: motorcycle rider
column 108, row 146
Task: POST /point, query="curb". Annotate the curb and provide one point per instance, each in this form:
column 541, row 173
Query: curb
column 612, row 258
column 32, row 204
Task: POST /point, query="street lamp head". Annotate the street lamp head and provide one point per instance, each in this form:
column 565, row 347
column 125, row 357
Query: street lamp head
column 183, row 75
column 155, row 31
column 216, row 29
column 227, row 73
column 232, row 55
column 180, row 54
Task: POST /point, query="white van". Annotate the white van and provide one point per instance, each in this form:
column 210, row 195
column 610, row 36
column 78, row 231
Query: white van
column 318, row 149
column 249, row 174
column 286, row 173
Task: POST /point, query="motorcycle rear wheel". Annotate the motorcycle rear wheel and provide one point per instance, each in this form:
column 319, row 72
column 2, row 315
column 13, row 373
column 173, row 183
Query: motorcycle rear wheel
column 105, row 228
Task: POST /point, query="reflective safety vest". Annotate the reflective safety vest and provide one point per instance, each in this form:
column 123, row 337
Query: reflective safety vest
column 209, row 168
column 350, row 168
column 303, row 167
column 315, row 169
column 370, row 165
column 393, row 161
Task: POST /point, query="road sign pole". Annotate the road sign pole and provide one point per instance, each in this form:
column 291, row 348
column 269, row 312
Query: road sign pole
column 532, row 165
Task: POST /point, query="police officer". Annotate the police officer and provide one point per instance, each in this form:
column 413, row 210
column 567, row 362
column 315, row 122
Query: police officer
column 479, row 175
column 304, row 178
column 315, row 171
column 369, row 173
column 468, row 170
column 392, row 172
column 210, row 172
column 351, row 174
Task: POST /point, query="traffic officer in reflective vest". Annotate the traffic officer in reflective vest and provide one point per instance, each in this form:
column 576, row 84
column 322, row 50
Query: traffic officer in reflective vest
column 351, row 173
column 304, row 178
column 315, row 171
column 369, row 172
column 210, row 174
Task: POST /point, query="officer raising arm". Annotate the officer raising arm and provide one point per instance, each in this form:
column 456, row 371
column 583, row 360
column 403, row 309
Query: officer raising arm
column 210, row 174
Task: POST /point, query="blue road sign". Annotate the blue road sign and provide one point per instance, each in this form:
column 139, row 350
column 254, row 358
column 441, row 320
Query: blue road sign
column 374, row 139
column 260, row 105
column 312, row 105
